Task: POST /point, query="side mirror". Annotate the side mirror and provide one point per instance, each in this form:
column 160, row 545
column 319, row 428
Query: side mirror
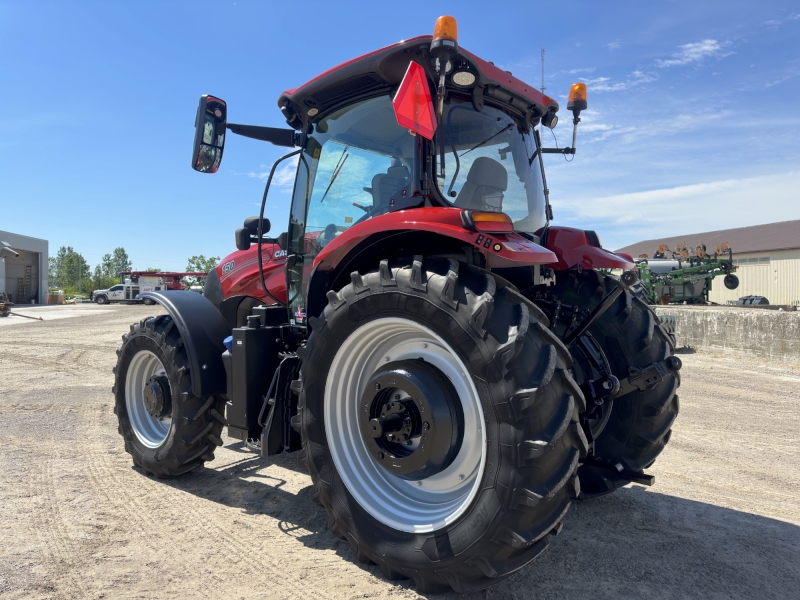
column 242, row 236
column 209, row 134
column 251, row 223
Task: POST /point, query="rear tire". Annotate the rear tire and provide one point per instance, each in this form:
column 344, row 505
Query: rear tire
column 497, row 518
column 178, row 440
column 640, row 424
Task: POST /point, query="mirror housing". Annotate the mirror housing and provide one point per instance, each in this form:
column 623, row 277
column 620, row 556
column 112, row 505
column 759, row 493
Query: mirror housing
column 242, row 237
column 209, row 134
column 251, row 224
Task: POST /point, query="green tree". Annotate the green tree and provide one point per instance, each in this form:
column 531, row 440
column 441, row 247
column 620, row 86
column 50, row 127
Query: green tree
column 199, row 263
column 153, row 270
column 69, row 269
column 119, row 261
column 102, row 281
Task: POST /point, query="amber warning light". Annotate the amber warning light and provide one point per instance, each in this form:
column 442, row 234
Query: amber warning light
column 446, row 28
column 577, row 97
column 413, row 105
column 486, row 222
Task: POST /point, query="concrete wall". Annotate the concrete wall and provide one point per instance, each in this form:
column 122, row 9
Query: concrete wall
column 33, row 252
column 775, row 275
column 751, row 331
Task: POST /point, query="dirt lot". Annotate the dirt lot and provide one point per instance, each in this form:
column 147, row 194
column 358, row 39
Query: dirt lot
column 76, row 520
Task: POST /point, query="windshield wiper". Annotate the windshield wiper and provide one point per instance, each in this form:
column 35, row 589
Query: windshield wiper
column 491, row 137
column 339, row 165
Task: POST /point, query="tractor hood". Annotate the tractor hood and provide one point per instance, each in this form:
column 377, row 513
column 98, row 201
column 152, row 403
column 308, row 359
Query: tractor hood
column 382, row 71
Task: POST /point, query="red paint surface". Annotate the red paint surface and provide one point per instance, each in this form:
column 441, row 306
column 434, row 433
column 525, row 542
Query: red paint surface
column 489, row 70
column 572, row 248
column 514, row 249
column 350, row 62
column 243, row 278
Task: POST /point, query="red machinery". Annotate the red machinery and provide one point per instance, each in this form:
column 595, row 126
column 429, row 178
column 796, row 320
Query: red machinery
column 450, row 368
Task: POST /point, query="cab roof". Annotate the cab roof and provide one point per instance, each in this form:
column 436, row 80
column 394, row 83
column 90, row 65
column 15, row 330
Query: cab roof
column 381, row 71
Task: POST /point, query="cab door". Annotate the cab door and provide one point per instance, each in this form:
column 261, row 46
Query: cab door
column 116, row 293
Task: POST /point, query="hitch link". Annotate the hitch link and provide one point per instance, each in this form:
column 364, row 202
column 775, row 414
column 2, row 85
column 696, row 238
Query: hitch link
column 647, row 377
column 600, row 390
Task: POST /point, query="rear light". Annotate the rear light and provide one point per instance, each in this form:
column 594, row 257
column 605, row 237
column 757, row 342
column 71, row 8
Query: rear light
column 487, row 222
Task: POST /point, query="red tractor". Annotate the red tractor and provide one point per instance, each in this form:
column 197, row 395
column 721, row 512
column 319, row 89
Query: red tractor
column 450, row 368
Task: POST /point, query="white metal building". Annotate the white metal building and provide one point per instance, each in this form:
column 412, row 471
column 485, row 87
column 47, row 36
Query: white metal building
column 24, row 278
column 767, row 256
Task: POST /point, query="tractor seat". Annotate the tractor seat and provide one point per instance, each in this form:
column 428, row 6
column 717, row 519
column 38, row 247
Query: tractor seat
column 385, row 185
column 486, row 181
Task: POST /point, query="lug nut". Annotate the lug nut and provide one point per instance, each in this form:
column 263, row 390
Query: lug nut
column 380, row 455
column 426, row 426
column 377, row 386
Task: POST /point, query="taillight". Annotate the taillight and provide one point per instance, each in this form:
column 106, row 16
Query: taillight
column 487, row 222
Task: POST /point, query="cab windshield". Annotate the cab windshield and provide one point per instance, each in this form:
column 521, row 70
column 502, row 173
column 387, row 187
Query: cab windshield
column 490, row 164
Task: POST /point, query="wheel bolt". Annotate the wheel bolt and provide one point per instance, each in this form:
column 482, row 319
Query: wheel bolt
column 380, row 455
column 426, row 426
column 377, row 386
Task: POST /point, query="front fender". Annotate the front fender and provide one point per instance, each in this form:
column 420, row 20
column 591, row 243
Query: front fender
column 574, row 248
column 202, row 330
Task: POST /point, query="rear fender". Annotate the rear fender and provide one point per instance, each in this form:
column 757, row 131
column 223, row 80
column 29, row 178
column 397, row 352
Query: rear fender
column 501, row 250
column 427, row 231
column 202, row 330
column 574, row 248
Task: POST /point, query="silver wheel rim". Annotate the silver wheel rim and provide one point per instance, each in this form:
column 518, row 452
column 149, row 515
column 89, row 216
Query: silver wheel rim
column 412, row 506
column 150, row 431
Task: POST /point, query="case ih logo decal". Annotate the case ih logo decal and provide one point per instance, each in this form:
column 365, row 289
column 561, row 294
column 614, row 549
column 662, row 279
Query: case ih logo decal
column 228, row 267
column 280, row 253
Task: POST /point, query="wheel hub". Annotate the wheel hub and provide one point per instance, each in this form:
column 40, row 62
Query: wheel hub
column 157, row 397
column 411, row 419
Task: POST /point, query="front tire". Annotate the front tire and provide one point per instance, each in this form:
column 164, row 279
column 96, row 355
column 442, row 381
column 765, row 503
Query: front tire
column 101, row 300
column 168, row 431
column 485, row 510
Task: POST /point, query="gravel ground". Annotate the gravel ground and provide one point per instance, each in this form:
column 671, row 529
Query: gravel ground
column 78, row 521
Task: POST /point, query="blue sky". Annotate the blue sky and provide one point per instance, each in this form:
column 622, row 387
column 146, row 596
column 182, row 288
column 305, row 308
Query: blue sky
column 692, row 121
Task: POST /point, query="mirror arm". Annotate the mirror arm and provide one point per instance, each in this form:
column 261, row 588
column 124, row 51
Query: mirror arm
column 558, row 150
column 274, row 135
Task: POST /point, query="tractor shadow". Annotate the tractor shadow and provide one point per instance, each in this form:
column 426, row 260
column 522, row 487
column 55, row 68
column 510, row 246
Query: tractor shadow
column 633, row 543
